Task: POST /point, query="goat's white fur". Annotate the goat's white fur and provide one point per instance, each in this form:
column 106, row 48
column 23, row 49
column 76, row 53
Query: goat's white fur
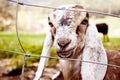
column 46, row 49
column 93, row 52
column 89, row 71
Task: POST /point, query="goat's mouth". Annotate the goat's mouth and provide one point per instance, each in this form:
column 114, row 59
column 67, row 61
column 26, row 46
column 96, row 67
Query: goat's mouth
column 65, row 54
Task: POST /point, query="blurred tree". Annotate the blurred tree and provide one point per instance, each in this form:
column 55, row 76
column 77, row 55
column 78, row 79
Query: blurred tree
column 3, row 4
column 5, row 16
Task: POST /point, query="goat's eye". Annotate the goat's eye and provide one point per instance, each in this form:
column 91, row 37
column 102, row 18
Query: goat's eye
column 50, row 24
column 84, row 22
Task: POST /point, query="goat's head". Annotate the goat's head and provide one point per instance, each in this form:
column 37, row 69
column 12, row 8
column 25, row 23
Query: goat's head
column 72, row 33
column 68, row 29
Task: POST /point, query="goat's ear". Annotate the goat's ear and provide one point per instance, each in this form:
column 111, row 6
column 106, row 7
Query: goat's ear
column 46, row 49
column 93, row 52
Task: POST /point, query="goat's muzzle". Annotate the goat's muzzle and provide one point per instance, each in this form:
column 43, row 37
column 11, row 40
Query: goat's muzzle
column 64, row 51
column 63, row 43
column 65, row 54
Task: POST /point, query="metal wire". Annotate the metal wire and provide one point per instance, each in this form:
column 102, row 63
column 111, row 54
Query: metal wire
column 17, row 34
column 81, row 10
column 13, row 52
column 24, row 54
column 53, row 57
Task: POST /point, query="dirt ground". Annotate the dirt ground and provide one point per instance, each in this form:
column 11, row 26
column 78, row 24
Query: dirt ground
column 29, row 73
column 17, row 77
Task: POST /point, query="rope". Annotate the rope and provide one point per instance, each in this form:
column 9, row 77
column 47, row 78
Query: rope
column 81, row 10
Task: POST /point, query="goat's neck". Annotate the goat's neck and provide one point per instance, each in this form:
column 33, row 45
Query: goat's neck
column 71, row 69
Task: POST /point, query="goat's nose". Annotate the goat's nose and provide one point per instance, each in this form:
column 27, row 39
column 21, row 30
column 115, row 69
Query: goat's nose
column 63, row 43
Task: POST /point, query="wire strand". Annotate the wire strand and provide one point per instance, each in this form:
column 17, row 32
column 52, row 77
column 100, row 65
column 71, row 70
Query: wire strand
column 81, row 10
column 53, row 57
column 17, row 33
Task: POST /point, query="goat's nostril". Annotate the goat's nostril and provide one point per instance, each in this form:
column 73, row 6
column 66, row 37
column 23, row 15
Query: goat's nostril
column 63, row 43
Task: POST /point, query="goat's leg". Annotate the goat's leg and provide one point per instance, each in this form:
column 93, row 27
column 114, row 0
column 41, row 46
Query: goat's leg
column 46, row 48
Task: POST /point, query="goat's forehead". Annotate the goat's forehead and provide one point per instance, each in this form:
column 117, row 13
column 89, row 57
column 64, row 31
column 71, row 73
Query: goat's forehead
column 64, row 13
column 65, row 17
column 67, row 12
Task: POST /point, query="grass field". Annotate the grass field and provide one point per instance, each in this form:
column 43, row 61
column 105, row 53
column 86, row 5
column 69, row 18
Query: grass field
column 34, row 43
column 31, row 43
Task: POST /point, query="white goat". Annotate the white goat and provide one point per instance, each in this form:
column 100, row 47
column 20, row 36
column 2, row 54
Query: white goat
column 74, row 36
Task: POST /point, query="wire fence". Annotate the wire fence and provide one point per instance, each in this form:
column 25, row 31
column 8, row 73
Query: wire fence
column 25, row 54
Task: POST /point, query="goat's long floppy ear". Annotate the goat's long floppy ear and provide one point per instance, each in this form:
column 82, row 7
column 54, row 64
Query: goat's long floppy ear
column 46, row 48
column 93, row 52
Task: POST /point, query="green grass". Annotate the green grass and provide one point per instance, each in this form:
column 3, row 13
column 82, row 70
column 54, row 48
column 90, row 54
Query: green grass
column 33, row 44
column 113, row 44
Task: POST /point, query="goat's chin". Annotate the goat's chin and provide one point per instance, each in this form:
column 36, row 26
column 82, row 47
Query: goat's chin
column 65, row 54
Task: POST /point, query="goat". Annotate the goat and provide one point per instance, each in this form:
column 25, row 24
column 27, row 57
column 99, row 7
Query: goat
column 103, row 28
column 74, row 36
